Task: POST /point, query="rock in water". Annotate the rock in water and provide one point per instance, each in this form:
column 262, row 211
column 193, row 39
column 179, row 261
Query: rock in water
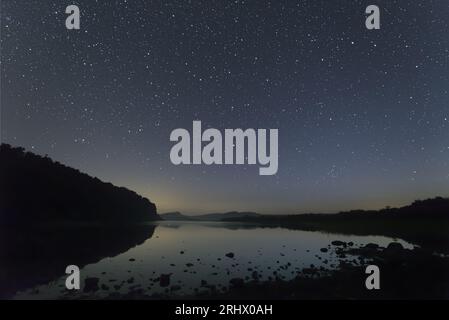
column 255, row 275
column 395, row 246
column 394, row 250
column 164, row 280
column 91, row 285
column 236, row 282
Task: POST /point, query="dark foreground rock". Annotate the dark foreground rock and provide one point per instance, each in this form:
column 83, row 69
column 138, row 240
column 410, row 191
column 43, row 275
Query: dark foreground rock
column 164, row 280
column 91, row 285
column 237, row 282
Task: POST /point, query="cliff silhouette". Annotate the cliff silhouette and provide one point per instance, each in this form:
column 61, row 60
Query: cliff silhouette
column 37, row 189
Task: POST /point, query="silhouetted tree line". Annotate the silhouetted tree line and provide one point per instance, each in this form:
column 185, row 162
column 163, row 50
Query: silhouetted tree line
column 424, row 222
column 36, row 188
column 430, row 209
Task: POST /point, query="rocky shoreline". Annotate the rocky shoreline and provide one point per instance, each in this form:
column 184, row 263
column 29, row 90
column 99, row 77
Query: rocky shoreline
column 405, row 274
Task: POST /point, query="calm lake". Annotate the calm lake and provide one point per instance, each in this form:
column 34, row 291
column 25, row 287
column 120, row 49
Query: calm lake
column 196, row 256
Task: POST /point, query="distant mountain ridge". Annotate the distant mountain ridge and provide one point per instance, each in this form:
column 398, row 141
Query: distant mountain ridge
column 436, row 207
column 210, row 216
column 38, row 189
column 175, row 216
column 228, row 215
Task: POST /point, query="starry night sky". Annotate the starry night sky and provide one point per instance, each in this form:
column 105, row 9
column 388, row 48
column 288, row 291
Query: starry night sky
column 363, row 116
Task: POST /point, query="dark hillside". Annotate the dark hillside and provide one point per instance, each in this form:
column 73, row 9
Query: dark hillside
column 38, row 189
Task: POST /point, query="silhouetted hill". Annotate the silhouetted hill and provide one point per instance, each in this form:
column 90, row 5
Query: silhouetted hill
column 436, row 208
column 38, row 189
column 228, row 216
column 175, row 216
column 424, row 222
column 211, row 216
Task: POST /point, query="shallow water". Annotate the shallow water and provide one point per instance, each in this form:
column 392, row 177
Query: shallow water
column 194, row 251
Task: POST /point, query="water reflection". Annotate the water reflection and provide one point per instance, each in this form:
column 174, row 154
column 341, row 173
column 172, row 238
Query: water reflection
column 37, row 255
column 184, row 258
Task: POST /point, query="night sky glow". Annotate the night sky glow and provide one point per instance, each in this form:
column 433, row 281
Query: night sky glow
column 363, row 115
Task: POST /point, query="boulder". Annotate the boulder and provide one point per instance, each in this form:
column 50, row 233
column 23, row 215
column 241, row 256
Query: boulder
column 91, row 285
column 164, row 280
column 237, row 282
